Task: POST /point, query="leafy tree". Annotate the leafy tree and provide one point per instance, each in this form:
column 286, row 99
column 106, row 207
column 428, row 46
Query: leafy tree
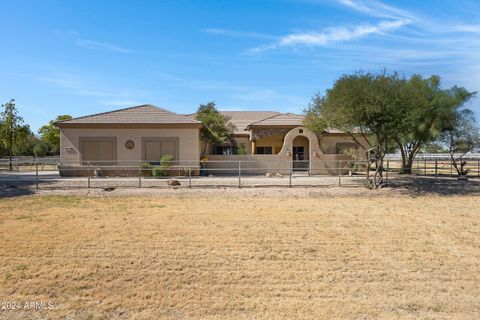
column 216, row 128
column 3, row 151
column 426, row 110
column 40, row 149
column 11, row 123
column 433, row 147
column 460, row 137
column 51, row 135
column 24, row 142
column 361, row 104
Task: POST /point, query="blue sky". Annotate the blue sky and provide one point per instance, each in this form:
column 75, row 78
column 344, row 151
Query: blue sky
column 83, row 57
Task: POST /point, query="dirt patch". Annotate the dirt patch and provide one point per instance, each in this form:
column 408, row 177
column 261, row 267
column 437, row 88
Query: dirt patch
column 250, row 257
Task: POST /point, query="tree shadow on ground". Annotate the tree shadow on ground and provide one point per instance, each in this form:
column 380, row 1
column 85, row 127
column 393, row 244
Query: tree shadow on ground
column 14, row 184
column 14, row 190
column 414, row 185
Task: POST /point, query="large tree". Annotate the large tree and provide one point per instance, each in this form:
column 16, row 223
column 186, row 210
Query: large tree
column 51, row 134
column 426, row 110
column 25, row 141
column 216, row 128
column 361, row 104
column 11, row 127
column 461, row 136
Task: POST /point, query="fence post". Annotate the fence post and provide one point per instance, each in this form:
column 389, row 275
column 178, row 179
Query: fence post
column 367, row 174
column 424, row 165
column 239, row 174
column 88, row 182
column 436, row 169
column 290, row 175
column 339, row 173
column 478, row 167
column 189, row 174
column 139, row 181
column 36, row 174
column 418, row 165
column 451, row 167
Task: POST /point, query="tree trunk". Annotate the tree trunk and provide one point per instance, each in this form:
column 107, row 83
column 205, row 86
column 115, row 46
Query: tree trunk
column 408, row 154
column 378, row 176
column 407, row 166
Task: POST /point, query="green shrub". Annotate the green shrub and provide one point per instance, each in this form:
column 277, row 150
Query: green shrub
column 166, row 161
column 187, row 171
column 241, row 149
column 159, row 171
column 40, row 149
column 145, row 169
column 162, row 169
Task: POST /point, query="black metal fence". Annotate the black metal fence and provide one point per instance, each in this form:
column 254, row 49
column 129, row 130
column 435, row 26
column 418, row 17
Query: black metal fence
column 42, row 173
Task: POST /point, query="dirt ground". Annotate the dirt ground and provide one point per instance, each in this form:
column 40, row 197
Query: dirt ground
column 254, row 254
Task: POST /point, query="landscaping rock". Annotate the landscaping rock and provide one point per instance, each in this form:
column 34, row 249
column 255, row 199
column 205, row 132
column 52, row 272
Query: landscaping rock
column 279, row 175
column 173, row 183
column 268, row 174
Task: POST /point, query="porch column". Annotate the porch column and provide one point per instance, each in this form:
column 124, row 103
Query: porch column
column 253, row 146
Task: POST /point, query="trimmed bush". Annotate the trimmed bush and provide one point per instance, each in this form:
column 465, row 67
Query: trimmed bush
column 165, row 163
column 146, row 169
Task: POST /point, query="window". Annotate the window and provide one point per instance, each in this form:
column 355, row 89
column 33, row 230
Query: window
column 225, row 150
column 263, row 150
column 96, row 150
column 155, row 148
column 241, row 148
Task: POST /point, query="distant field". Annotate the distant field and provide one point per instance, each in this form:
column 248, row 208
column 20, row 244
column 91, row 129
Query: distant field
column 341, row 257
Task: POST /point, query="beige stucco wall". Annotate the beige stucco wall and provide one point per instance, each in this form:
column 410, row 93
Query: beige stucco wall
column 189, row 142
column 250, row 164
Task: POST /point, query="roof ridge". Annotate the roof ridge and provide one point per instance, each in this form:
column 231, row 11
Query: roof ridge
column 128, row 108
column 275, row 115
column 106, row 112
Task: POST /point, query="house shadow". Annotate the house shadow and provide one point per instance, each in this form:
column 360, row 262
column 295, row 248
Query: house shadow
column 418, row 186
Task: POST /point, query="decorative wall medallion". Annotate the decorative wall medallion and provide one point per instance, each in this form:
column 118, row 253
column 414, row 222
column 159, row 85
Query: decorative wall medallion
column 129, row 144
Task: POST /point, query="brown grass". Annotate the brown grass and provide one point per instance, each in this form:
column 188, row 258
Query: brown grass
column 234, row 258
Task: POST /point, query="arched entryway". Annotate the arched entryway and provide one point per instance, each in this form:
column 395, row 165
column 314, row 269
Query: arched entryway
column 301, row 153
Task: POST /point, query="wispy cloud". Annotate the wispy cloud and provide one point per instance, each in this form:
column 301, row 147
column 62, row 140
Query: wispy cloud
column 100, row 45
column 233, row 33
column 467, row 28
column 331, row 35
column 377, row 9
column 80, row 86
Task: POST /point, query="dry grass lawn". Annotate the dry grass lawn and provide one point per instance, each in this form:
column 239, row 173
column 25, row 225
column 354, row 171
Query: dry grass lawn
column 241, row 258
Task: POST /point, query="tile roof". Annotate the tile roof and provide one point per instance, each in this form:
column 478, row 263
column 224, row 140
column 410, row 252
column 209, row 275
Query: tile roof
column 144, row 114
column 281, row 119
column 241, row 119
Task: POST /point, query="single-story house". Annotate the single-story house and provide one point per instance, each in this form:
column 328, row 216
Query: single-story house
column 263, row 140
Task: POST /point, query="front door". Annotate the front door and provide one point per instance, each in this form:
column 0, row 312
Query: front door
column 299, row 162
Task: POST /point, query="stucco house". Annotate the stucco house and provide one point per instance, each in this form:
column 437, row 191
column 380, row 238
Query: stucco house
column 263, row 141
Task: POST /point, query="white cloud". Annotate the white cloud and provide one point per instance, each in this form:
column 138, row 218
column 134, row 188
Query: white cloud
column 468, row 28
column 377, row 9
column 233, row 33
column 100, row 45
column 331, row 35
